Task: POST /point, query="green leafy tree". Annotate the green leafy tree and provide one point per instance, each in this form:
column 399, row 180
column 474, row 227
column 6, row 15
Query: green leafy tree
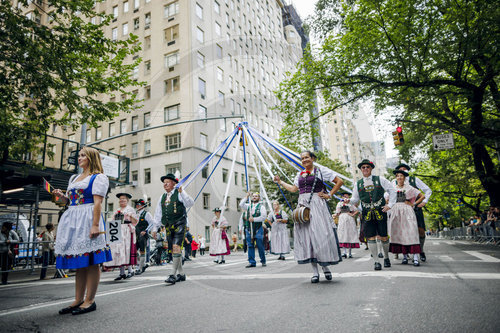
column 63, row 72
column 435, row 62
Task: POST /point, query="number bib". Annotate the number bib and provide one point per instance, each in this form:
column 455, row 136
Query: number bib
column 113, row 231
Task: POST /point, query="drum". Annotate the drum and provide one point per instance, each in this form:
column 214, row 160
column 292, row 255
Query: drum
column 301, row 214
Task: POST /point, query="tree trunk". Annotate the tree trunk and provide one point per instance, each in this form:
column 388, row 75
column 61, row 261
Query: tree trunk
column 486, row 173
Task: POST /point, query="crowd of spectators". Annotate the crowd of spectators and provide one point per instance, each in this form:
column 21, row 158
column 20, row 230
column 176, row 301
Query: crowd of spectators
column 486, row 224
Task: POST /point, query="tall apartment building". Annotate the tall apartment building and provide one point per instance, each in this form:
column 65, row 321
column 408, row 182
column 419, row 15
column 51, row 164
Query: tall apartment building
column 375, row 151
column 201, row 59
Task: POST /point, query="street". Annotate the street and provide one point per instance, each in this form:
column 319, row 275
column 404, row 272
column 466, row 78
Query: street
column 457, row 289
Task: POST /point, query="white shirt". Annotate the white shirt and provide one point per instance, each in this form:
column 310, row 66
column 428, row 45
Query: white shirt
column 148, row 217
column 263, row 212
column 421, row 186
column 183, row 197
column 386, row 185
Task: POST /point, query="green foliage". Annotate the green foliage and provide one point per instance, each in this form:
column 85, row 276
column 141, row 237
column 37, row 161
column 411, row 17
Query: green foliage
column 63, row 73
column 435, row 62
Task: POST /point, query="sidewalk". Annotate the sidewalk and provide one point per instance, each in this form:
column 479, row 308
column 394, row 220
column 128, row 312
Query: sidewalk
column 21, row 276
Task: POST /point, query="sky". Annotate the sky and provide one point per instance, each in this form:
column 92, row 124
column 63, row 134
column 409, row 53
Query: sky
column 368, row 128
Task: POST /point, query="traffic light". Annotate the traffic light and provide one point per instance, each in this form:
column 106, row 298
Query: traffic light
column 397, row 135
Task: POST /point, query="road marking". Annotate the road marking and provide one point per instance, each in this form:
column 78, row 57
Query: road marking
column 365, row 258
column 482, row 256
column 446, row 258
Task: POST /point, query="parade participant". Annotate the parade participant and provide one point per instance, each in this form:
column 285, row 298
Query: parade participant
column 315, row 241
column 201, row 241
column 171, row 212
column 419, row 185
column 124, row 252
column 402, row 226
column 144, row 225
column 7, row 238
column 219, row 243
column 347, row 232
column 370, row 191
column 254, row 215
column 47, row 249
column 80, row 242
column 280, row 242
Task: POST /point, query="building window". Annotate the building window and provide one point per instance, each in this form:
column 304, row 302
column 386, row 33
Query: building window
column 206, row 201
column 147, row 21
column 135, row 175
column 147, row 147
column 220, row 74
column 136, row 23
column 135, row 150
column 111, row 129
column 207, row 234
column 203, row 141
column 224, row 175
column 199, row 11
column 235, row 178
column 218, row 51
column 115, row 12
column 147, row 42
column 174, row 169
column 125, row 6
column 98, row 133
column 171, row 33
column 147, row 176
column 124, row 29
column 171, row 59
column 110, row 207
column 136, row 4
column 171, row 113
column 123, row 126
column 171, row 85
column 147, row 92
column 202, row 88
column 216, row 7
column 123, row 150
column 217, row 29
column 202, row 112
column 238, row 201
column 147, row 119
column 135, row 123
column 171, row 9
column 200, row 35
column 221, row 98
column 173, row 141
column 88, row 136
column 135, row 72
column 200, row 60
column 147, row 67
column 204, row 172
column 114, row 34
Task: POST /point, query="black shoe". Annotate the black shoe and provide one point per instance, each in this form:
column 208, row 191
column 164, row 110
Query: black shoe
column 180, row 278
column 378, row 266
column 69, row 309
column 328, row 276
column 171, row 279
column 405, row 261
column 121, row 277
column 380, row 255
column 315, row 279
column 350, row 256
column 222, row 262
column 138, row 272
column 264, row 265
column 416, row 263
column 249, row 266
column 422, row 257
column 144, row 268
column 129, row 275
column 216, row 261
column 344, row 255
column 187, row 259
column 387, row 262
column 79, row 311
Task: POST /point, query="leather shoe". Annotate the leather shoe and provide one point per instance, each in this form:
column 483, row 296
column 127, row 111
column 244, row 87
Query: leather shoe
column 416, row 263
column 315, row 279
column 264, row 265
column 404, row 261
column 387, row 262
column 79, row 311
column 380, row 255
column 171, row 279
column 121, row 277
column 144, row 268
column 344, row 255
column 378, row 266
column 249, row 266
column 69, row 309
column 180, row 278
column 328, row 276
column 422, row 257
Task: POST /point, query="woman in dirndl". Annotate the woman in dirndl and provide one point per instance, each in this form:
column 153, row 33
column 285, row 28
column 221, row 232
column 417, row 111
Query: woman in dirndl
column 80, row 242
column 402, row 225
column 346, row 230
column 315, row 241
column 219, row 243
column 280, row 242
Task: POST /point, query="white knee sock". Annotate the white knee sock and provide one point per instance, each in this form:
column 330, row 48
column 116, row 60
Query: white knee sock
column 180, row 270
column 222, row 257
column 350, row 251
column 129, row 269
column 372, row 245
column 315, row 268
column 122, row 270
column 176, row 258
column 385, row 246
column 379, row 246
column 415, row 257
column 405, row 256
column 325, row 269
column 142, row 261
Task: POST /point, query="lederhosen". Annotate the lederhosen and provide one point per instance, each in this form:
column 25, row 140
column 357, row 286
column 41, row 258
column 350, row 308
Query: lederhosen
column 372, row 199
column 173, row 217
column 252, row 227
column 419, row 212
column 141, row 226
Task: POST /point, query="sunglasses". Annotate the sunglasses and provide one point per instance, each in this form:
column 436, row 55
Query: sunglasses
column 366, row 167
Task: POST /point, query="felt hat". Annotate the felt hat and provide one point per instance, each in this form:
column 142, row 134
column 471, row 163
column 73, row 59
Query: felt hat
column 169, row 176
column 217, row 209
column 141, row 202
column 401, row 172
column 118, row 195
column 367, row 162
column 403, row 165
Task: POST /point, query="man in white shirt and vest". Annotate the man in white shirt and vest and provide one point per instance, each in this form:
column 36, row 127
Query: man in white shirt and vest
column 254, row 215
column 171, row 212
column 370, row 192
column 419, row 185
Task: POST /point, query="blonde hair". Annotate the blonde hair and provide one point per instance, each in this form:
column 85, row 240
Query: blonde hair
column 95, row 165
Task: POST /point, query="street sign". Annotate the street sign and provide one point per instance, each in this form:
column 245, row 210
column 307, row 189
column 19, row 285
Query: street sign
column 110, row 166
column 443, row 141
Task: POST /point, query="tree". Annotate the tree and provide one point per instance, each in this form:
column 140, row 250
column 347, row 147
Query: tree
column 435, row 62
column 59, row 73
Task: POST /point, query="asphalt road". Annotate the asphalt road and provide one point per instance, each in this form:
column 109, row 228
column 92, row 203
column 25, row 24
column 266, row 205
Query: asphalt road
column 456, row 290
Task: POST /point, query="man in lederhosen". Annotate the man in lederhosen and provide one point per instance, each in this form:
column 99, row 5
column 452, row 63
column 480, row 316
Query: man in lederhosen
column 171, row 212
column 253, row 217
column 370, row 191
column 143, row 226
column 420, row 185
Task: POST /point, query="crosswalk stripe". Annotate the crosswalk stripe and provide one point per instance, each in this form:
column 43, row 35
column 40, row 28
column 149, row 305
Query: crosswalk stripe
column 482, row 256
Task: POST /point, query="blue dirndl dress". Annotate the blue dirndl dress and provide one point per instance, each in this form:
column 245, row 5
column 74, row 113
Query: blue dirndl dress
column 74, row 248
